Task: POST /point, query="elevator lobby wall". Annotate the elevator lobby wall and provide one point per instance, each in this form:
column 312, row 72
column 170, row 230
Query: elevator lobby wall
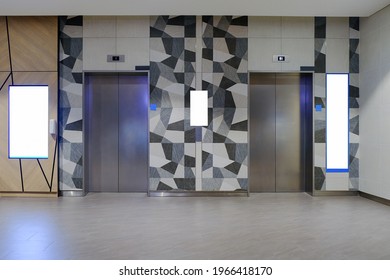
column 205, row 53
column 375, row 102
column 331, row 45
column 185, row 53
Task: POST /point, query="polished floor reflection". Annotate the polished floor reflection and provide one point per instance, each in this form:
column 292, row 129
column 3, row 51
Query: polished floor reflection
column 133, row 226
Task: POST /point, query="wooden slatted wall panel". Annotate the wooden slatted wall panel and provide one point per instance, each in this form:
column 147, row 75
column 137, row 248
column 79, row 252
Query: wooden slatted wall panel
column 34, row 53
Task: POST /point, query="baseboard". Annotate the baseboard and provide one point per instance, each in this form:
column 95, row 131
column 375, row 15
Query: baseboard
column 375, row 198
column 78, row 193
column 335, row 193
column 29, row 194
column 195, row 193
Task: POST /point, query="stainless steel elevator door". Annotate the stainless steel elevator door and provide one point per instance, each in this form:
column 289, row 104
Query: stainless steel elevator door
column 133, row 133
column 116, row 132
column 101, row 133
column 275, row 133
column 288, row 134
column 262, row 133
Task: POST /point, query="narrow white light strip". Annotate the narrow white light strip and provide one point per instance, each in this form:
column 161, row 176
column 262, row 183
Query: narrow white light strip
column 28, row 121
column 337, row 122
column 198, row 108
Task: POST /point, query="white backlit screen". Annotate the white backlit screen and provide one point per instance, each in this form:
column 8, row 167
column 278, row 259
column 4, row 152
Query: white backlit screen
column 28, row 121
column 337, row 122
column 198, row 108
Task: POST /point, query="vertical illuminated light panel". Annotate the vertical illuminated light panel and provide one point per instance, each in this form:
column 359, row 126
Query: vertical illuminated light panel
column 337, row 122
column 28, row 121
column 198, row 108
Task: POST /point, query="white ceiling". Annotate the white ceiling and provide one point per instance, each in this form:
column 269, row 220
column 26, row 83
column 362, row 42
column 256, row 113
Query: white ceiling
column 361, row 8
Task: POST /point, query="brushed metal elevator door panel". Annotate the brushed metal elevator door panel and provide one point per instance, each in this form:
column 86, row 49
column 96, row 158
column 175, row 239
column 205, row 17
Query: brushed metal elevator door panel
column 133, row 133
column 288, row 134
column 102, row 132
column 262, row 133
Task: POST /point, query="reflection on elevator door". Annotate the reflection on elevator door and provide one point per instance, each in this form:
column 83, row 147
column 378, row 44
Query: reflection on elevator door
column 279, row 133
column 116, row 132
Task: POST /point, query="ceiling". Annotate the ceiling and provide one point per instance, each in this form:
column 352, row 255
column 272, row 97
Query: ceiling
column 362, row 8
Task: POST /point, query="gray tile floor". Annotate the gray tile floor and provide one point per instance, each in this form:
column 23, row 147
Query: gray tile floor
column 133, row 226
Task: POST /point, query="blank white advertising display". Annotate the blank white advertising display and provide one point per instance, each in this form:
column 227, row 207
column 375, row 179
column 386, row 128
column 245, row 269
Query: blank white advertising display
column 198, row 108
column 337, row 122
column 28, row 121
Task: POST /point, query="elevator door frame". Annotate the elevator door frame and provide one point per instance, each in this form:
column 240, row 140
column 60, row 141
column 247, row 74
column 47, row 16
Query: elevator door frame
column 308, row 172
column 84, row 113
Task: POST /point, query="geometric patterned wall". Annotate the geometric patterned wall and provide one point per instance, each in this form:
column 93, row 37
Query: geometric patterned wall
column 322, row 64
column 319, row 99
column 173, row 54
column 224, row 73
column 172, row 76
column 70, row 103
column 354, row 41
column 225, row 77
